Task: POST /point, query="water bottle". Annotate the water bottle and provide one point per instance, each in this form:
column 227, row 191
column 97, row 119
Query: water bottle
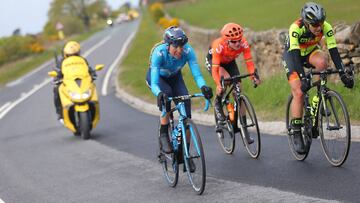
column 314, row 105
column 230, row 108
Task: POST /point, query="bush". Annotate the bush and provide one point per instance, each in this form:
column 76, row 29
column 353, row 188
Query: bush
column 157, row 11
column 165, row 22
column 15, row 47
column 72, row 26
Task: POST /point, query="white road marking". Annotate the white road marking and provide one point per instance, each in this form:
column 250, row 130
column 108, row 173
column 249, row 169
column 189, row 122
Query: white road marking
column 96, row 46
column 1, row 201
column 18, row 81
column 23, row 96
column 4, row 106
column 113, row 65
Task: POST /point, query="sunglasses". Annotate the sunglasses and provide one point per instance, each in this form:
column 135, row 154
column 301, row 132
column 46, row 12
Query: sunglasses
column 316, row 25
column 234, row 41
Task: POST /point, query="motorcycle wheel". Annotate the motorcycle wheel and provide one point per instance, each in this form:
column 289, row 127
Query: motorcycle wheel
column 84, row 118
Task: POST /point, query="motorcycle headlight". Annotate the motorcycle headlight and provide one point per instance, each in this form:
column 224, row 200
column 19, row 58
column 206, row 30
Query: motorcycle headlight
column 86, row 94
column 75, row 96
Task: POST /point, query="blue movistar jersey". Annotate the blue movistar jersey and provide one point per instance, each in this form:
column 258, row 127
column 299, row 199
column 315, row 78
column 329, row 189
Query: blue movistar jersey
column 165, row 65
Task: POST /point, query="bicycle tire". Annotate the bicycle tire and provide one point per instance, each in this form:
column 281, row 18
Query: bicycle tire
column 226, row 136
column 332, row 140
column 251, row 128
column 169, row 163
column 297, row 156
column 196, row 178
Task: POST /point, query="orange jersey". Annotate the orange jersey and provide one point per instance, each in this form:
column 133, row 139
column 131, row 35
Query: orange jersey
column 223, row 54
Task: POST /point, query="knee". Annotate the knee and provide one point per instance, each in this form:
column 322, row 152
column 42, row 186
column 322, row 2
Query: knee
column 321, row 62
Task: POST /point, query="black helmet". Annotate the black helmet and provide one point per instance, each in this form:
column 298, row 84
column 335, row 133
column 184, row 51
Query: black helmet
column 176, row 36
column 312, row 13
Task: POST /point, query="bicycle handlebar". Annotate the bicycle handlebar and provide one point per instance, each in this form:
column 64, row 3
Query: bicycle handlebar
column 237, row 78
column 183, row 98
column 329, row 71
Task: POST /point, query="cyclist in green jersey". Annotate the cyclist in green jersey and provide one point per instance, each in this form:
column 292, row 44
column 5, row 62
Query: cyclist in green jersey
column 302, row 50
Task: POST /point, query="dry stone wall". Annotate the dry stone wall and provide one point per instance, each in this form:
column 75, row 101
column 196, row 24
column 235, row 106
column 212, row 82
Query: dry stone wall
column 267, row 46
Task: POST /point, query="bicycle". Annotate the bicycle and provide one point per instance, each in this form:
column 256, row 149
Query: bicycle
column 327, row 117
column 182, row 152
column 225, row 131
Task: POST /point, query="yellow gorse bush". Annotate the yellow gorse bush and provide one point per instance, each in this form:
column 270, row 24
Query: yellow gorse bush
column 36, row 47
column 165, row 22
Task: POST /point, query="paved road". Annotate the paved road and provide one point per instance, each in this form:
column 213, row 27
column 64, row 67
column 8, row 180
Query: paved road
column 40, row 161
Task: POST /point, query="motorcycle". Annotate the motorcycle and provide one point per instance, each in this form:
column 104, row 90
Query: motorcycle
column 79, row 99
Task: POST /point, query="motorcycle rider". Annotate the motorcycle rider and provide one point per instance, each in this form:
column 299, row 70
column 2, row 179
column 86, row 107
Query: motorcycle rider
column 70, row 49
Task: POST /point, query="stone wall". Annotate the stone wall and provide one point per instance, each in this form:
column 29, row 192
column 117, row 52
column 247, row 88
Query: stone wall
column 267, row 46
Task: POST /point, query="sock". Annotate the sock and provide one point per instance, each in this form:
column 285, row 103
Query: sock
column 164, row 128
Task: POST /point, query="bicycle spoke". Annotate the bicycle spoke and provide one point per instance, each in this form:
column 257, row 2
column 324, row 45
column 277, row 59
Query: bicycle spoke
column 194, row 160
column 249, row 127
column 334, row 129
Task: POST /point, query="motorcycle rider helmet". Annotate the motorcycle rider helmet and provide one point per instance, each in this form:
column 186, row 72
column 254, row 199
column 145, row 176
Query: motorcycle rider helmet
column 175, row 36
column 71, row 48
column 313, row 13
column 232, row 32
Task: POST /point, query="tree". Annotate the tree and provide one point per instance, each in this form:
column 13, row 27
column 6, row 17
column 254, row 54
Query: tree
column 81, row 9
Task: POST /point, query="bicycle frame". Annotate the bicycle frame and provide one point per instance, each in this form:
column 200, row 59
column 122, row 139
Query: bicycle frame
column 180, row 127
column 234, row 88
column 321, row 92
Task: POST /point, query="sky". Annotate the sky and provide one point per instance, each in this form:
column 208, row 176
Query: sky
column 31, row 15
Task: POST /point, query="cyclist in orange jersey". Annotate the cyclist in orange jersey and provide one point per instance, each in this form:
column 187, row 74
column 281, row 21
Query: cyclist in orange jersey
column 302, row 49
column 220, row 61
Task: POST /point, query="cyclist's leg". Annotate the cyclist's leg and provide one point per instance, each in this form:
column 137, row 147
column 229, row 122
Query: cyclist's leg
column 319, row 60
column 164, row 121
column 297, row 102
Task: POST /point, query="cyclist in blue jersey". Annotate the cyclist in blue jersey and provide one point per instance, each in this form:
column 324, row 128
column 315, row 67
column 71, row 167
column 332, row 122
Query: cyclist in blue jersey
column 164, row 77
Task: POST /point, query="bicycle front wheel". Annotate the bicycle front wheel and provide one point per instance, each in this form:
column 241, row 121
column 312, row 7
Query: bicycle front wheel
column 169, row 164
column 249, row 127
column 194, row 158
column 225, row 134
column 334, row 128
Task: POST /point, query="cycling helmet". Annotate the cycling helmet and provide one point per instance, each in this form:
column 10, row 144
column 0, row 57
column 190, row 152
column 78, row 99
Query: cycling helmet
column 312, row 13
column 71, row 48
column 232, row 31
column 175, row 36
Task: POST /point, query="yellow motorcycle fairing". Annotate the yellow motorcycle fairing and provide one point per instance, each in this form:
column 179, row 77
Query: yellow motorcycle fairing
column 77, row 90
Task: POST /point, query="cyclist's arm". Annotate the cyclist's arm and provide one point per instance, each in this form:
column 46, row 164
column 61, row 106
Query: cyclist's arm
column 155, row 64
column 294, row 49
column 331, row 45
column 215, row 67
column 248, row 57
column 194, row 66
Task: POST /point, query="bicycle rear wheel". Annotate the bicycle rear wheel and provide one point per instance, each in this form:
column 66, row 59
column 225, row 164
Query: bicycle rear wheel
column 195, row 154
column 250, row 127
column 226, row 136
column 169, row 164
column 297, row 156
column 334, row 128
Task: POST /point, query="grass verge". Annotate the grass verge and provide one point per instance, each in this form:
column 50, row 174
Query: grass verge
column 257, row 14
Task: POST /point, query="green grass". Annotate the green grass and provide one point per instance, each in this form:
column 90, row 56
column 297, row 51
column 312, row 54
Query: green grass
column 11, row 71
column 258, row 14
column 135, row 65
column 269, row 99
